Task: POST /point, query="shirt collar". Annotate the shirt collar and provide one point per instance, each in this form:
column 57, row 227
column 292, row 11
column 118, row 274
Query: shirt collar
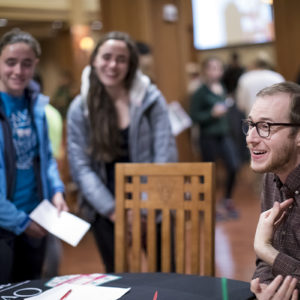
column 292, row 185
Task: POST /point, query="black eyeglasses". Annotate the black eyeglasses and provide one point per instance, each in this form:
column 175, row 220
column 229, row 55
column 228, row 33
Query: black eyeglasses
column 263, row 128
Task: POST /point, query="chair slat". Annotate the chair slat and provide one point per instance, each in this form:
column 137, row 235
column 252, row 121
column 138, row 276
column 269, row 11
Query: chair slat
column 136, row 227
column 166, row 241
column 180, row 241
column 151, row 241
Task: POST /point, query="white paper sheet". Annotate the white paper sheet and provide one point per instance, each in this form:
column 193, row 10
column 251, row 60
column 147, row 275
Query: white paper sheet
column 179, row 119
column 66, row 226
column 80, row 292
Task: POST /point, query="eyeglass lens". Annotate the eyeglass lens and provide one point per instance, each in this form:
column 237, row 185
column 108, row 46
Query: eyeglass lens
column 262, row 128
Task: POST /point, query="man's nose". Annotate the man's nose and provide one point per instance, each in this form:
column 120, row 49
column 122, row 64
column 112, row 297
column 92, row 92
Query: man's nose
column 252, row 135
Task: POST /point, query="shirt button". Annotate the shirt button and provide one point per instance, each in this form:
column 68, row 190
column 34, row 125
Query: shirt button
column 296, row 192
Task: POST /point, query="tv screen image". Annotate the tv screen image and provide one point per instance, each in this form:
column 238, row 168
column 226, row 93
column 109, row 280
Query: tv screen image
column 225, row 23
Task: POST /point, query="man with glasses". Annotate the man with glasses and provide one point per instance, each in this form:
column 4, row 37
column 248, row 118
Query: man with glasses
column 273, row 137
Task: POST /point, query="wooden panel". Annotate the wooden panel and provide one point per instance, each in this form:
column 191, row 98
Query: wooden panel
column 130, row 16
column 36, row 4
column 287, row 28
column 57, row 56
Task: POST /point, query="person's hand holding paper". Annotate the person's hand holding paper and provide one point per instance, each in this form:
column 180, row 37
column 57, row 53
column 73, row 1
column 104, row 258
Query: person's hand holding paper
column 65, row 225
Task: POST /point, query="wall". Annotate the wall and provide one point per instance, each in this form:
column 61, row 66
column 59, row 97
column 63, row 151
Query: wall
column 57, row 56
column 287, row 28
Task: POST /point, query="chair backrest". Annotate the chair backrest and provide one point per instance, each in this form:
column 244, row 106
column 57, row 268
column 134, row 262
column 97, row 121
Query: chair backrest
column 182, row 192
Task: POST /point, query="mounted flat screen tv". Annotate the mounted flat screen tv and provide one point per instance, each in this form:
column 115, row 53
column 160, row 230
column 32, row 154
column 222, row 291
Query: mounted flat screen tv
column 227, row 23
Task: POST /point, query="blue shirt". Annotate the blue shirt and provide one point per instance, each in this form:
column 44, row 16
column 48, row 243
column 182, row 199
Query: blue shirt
column 25, row 195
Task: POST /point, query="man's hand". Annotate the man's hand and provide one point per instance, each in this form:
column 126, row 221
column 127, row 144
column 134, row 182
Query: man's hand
column 276, row 290
column 59, row 202
column 265, row 228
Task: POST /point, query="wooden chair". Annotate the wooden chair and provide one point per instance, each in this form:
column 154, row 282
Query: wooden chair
column 184, row 190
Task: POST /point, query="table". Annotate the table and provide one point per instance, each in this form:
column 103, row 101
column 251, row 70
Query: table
column 170, row 286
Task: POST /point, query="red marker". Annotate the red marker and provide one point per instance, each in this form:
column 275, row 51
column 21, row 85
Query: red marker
column 155, row 296
column 66, row 295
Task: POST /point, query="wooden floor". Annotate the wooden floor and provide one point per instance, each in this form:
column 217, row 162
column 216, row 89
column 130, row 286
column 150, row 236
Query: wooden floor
column 233, row 241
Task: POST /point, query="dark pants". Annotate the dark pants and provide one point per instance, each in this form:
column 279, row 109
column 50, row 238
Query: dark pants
column 222, row 147
column 21, row 257
column 103, row 230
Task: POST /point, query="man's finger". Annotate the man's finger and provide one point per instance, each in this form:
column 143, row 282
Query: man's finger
column 286, row 289
column 274, row 212
column 273, row 286
column 255, row 288
column 295, row 295
column 291, row 288
column 285, row 204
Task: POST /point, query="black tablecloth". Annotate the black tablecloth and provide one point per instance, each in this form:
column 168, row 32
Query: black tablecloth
column 178, row 286
column 170, row 286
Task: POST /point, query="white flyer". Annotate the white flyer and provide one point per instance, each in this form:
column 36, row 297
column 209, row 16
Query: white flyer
column 65, row 226
column 80, row 292
column 179, row 119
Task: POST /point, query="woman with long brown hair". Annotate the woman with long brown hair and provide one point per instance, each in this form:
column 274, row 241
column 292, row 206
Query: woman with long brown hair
column 118, row 117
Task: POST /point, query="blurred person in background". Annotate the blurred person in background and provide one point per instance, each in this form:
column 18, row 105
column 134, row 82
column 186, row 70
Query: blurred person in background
column 146, row 61
column 193, row 74
column 209, row 110
column 232, row 73
column 28, row 171
column 118, row 117
column 251, row 82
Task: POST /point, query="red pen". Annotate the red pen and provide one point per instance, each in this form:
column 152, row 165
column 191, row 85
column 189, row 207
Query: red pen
column 66, row 294
column 155, row 296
